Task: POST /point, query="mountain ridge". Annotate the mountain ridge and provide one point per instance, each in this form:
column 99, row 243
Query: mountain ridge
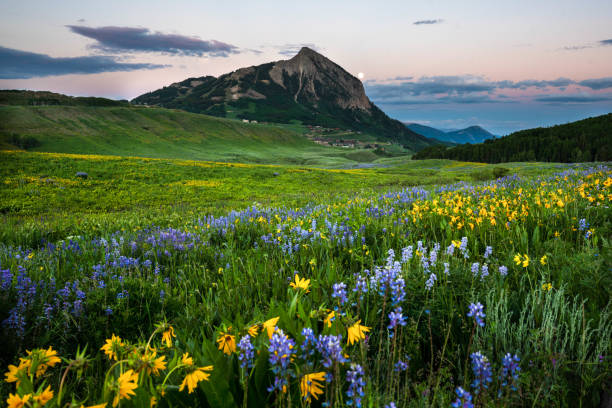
column 308, row 88
column 471, row 134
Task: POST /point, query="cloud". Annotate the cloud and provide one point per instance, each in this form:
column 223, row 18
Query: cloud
column 601, row 43
column 474, row 89
column 573, row 98
column 139, row 39
column 597, row 83
column 17, row 64
column 291, row 49
column 576, row 47
column 428, row 22
column 532, row 83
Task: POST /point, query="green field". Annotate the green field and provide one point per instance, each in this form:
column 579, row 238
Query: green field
column 165, row 133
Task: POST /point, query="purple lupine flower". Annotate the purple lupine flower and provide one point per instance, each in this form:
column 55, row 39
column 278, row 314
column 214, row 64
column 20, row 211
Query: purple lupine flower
column 390, row 405
column 281, row 349
column 476, row 311
column 450, row 249
column 464, row 399
column 309, row 344
column 503, row 270
column 484, row 271
column 355, row 392
column 246, row 354
column 340, row 292
column 407, row 254
column 475, row 268
column 446, row 268
column 396, row 317
column 481, row 367
column 6, row 279
column 401, row 365
column 510, row 370
column 361, row 286
column 430, row 282
column 488, row 252
column 330, row 348
column 398, row 291
column 463, row 247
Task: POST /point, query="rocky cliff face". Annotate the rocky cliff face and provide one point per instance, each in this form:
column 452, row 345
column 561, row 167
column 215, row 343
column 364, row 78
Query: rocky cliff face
column 308, row 88
column 319, row 78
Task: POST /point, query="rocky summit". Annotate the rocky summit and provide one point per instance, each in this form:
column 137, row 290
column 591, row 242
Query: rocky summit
column 308, row 88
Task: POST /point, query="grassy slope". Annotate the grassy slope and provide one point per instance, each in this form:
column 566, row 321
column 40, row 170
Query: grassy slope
column 163, row 133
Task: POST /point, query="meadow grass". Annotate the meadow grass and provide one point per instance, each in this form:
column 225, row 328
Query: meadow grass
column 414, row 284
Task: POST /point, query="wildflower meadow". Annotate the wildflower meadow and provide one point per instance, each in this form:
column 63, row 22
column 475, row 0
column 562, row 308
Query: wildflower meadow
column 469, row 294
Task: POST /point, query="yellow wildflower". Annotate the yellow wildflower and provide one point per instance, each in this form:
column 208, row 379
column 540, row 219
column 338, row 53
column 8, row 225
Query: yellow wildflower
column 192, row 379
column 546, row 287
column 543, row 260
column 356, row 332
column 330, row 317
column 102, row 405
column 16, row 401
column 300, row 283
column 167, row 336
column 152, row 363
column 12, row 375
column 253, row 330
column 269, row 325
column 45, row 396
column 310, row 385
column 525, row 261
column 227, row 343
column 127, row 383
column 186, row 360
column 112, row 347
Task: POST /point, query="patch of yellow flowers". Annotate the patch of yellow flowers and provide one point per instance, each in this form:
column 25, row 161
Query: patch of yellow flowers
column 133, row 367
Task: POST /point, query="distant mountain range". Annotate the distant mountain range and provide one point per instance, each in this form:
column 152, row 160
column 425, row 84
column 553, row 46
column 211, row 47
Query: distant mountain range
column 472, row 134
column 582, row 141
column 308, row 88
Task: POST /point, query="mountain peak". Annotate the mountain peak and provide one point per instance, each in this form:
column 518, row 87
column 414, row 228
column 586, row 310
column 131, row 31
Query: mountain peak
column 307, row 51
column 308, row 87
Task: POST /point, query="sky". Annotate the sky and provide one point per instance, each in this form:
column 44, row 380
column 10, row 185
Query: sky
column 503, row 65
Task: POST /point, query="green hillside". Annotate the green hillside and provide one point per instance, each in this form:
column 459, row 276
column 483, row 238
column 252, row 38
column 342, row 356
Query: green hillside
column 582, row 141
column 162, row 133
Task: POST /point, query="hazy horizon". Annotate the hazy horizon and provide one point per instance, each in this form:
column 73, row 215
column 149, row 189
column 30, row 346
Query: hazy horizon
column 501, row 66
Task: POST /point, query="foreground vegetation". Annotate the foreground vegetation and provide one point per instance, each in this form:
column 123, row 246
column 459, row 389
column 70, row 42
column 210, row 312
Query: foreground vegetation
column 471, row 293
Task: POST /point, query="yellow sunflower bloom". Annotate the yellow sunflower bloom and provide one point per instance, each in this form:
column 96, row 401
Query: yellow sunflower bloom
column 167, row 336
column 45, row 396
column 112, row 347
column 299, row 283
column 192, row 379
column 253, row 330
column 102, row 405
column 543, row 260
column 16, row 401
column 227, row 343
column 127, row 383
column 152, row 364
column 356, row 332
column 186, row 360
column 330, row 317
column 269, row 325
column 310, row 386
